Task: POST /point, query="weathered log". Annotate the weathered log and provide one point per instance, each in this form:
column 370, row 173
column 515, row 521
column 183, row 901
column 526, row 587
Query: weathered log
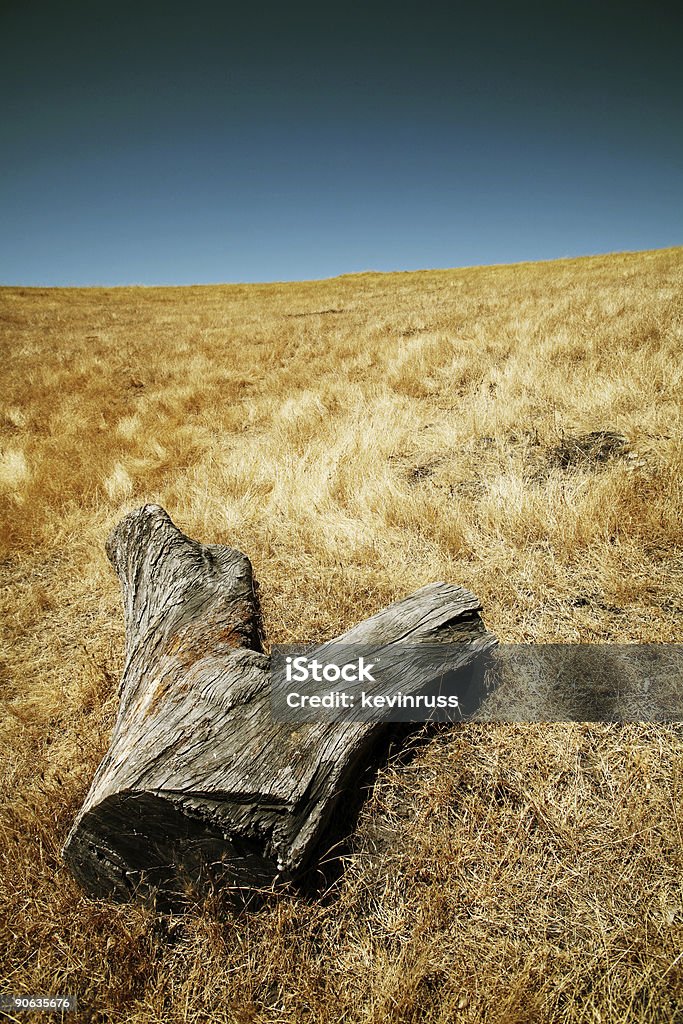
column 200, row 783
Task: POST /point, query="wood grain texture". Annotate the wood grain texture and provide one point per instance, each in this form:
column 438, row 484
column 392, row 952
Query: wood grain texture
column 200, row 785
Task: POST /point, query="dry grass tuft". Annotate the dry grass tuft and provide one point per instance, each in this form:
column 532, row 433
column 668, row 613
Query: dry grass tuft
column 360, row 437
column 589, row 449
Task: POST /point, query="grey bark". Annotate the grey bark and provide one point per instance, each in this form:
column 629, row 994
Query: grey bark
column 200, row 785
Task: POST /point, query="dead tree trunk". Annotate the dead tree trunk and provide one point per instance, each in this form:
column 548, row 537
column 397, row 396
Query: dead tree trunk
column 200, row 784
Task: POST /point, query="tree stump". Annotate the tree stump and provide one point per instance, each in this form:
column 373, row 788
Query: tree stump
column 200, row 785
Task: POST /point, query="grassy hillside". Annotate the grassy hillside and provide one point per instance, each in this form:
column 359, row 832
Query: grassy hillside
column 358, row 438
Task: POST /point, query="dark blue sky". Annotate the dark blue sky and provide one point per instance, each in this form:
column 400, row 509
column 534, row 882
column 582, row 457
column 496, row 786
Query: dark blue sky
column 164, row 143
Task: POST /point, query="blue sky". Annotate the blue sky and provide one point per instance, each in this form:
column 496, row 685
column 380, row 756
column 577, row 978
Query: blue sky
column 159, row 143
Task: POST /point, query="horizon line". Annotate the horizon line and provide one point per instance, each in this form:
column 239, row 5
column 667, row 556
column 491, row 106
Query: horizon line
column 345, row 274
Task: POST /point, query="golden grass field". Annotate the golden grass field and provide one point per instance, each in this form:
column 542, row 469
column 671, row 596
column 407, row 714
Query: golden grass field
column 358, row 438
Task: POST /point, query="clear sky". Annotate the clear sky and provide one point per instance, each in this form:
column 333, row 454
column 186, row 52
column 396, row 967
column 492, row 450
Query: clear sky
column 169, row 143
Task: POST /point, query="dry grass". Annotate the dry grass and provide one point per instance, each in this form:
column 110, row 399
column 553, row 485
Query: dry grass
column 360, row 437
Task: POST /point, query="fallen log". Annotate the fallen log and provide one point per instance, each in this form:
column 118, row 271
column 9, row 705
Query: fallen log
column 200, row 784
